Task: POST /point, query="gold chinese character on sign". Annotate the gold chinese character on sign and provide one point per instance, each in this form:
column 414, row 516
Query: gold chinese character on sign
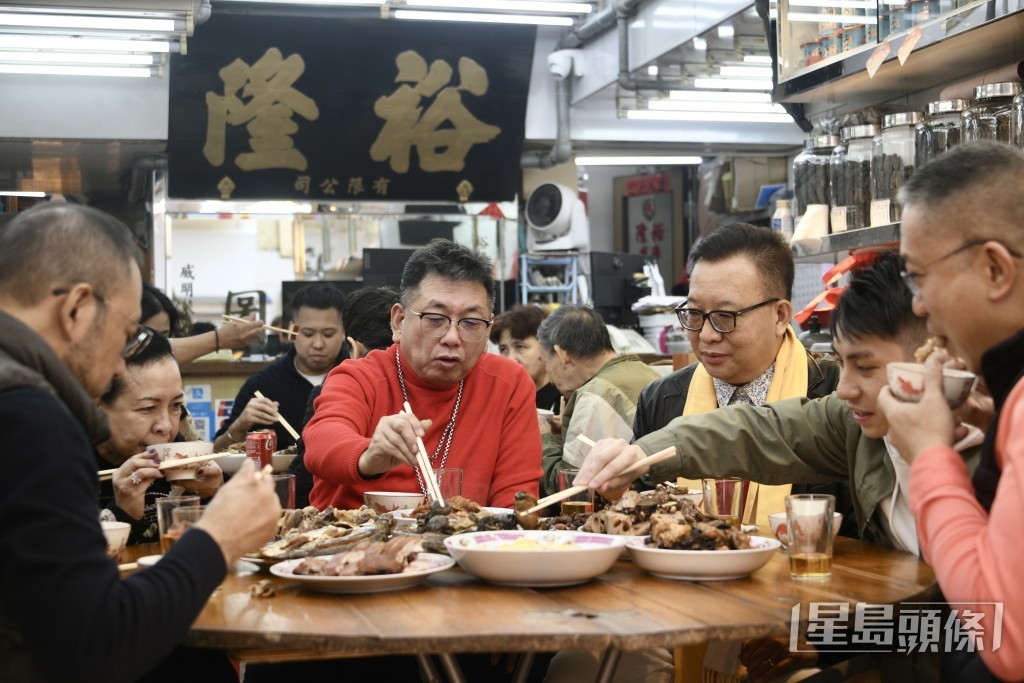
column 355, row 186
column 380, row 186
column 464, row 190
column 261, row 98
column 328, row 185
column 302, row 184
column 444, row 133
column 226, row 187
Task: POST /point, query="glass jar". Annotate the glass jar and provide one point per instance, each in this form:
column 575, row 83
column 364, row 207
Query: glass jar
column 988, row 118
column 811, row 172
column 892, row 164
column 851, row 178
column 941, row 130
column 1017, row 120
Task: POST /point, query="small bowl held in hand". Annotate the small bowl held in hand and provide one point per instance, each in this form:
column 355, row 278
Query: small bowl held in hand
column 906, row 381
column 117, row 536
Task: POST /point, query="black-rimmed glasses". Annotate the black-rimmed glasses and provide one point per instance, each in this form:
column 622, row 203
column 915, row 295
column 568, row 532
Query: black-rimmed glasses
column 910, row 278
column 139, row 339
column 437, row 325
column 722, row 321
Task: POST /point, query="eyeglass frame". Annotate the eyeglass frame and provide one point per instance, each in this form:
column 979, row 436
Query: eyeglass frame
column 910, row 277
column 706, row 317
column 458, row 324
column 140, row 338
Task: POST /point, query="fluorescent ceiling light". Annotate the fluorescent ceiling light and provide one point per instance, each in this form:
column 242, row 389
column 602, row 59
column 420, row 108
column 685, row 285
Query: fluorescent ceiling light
column 746, row 71
column 700, row 45
column 748, row 107
column 721, row 117
column 483, row 18
column 732, row 83
column 757, row 59
column 637, row 160
column 90, row 23
column 12, row 193
column 844, row 4
column 324, row 3
column 718, row 96
column 267, row 207
column 726, row 31
column 838, row 18
column 40, row 42
column 76, row 58
column 507, row 5
column 652, row 70
column 59, row 70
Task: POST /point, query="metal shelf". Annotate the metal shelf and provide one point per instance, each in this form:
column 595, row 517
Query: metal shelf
column 568, row 265
column 952, row 47
column 838, row 245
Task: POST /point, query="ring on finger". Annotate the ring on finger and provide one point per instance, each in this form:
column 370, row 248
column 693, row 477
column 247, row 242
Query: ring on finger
column 134, row 479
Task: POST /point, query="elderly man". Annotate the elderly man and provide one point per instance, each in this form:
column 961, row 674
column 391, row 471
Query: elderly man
column 737, row 317
column 69, row 310
column 286, row 384
column 473, row 410
column 963, row 241
column 601, row 386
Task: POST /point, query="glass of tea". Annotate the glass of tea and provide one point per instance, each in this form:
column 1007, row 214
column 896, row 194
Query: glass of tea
column 182, row 519
column 581, row 502
column 163, row 515
column 809, row 517
column 725, row 498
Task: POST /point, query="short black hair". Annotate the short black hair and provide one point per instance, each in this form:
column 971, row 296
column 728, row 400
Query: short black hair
column 521, row 321
column 766, row 248
column 320, row 297
column 154, row 301
column 450, row 260
column 579, row 330
column 367, row 316
column 57, row 245
column 877, row 303
column 157, row 350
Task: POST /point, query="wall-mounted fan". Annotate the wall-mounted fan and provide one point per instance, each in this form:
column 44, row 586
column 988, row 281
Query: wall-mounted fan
column 557, row 219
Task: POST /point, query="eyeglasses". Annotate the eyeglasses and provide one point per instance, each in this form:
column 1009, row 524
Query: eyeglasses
column 138, row 340
column 437, row 325
column 722, row 321
column 910, row 278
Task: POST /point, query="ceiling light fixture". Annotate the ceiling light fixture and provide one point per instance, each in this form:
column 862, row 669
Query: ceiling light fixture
column 43, row 42
column 718, row 96
column 652, row 70
column 699, row 44
column 62, row 70
column 838, row 18
column 845, row 4
column 638, row 160
column 322, row 3
column 757, row 59
column 507, row 5
column 720, row 117
column 726, row 31
column 746, row 71
column 748, row 107
column 732, row 83
column 77, row 58
column 79, row 22
column 13, row 193
column 481, row 18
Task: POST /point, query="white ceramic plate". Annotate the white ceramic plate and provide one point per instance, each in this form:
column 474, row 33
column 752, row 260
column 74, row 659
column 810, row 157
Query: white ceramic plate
column 363, row 584
column 232, row 461
column 584, row 556
column 702, row 565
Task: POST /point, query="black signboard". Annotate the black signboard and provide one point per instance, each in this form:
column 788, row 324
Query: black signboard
column 280, row 107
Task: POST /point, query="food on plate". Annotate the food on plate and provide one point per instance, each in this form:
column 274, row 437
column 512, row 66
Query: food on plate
column 523, row 502
column 374, row 558
column 263, row 589
column 329, row 538
column 529, row 543
column 458, row 515
column 310, row 518
column 683, row 531
column 629, row 515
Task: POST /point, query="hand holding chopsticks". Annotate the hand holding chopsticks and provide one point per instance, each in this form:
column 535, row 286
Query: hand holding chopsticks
column 235, row 320
column 423, row 461
column 280, row 418
column 573, row 490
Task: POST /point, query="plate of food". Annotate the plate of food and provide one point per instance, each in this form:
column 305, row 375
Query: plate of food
column 408, row 517
column 370, row 568
column 705, row 564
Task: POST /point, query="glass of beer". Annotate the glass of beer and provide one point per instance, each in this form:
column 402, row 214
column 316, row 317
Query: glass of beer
column 725, row 498
column 182, row 519
column 809, row 517
column 581, row 502
column 163, row 516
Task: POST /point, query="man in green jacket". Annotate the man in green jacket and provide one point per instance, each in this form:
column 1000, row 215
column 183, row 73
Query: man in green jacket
column 601, row 386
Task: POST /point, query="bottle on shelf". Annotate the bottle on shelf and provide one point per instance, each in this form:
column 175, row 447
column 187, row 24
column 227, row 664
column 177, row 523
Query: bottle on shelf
column 941, row 130
column 988, row 118
column 782, row 219
column 892, row 164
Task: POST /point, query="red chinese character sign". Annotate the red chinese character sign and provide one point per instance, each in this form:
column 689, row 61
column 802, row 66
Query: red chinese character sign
column 649, row 220
column 348, row 109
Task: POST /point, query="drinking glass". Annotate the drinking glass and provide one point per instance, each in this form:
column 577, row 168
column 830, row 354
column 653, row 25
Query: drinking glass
column 163, row 515
column 725, row 498
column 581, row 502
column 284, row 484
column 449, row 481
column 182, row 519
column 809, row 517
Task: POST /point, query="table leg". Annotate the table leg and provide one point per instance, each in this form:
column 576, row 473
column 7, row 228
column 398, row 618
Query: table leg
column 451, row 667
column 609, row 662
column 427, row 669
column 523, row 667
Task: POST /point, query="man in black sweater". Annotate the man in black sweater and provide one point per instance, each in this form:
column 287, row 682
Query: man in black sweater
column 69, row 307
column 286, row 384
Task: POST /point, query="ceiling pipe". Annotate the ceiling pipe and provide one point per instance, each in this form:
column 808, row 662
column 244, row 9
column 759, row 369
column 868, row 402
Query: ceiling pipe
column 626, row 80
column 561, row 151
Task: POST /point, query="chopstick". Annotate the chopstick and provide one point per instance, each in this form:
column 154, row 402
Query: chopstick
column 284, row 423
column 573, row 490
column 167, row 464
column 235, row 320
column 423, row 460
column 128, row 566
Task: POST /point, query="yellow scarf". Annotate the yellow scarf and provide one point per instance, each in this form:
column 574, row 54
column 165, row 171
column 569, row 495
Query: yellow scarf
column 789, row 381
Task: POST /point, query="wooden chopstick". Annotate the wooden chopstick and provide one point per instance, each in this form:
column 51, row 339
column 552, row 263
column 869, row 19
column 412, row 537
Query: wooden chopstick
column 235, row 320
column 167, row 464
column 424, row 462
column 573, row 490
column 284, row 423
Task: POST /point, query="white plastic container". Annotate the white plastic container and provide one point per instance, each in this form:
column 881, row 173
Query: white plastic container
column 782, row 219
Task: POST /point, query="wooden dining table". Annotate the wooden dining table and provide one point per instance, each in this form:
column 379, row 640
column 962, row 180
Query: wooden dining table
column 625, row 609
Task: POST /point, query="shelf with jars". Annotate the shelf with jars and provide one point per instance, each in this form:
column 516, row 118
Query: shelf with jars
column 825, row 45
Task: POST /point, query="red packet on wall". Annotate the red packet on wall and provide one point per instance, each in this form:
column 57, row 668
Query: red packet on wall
column 908, row 45
column 877, row 57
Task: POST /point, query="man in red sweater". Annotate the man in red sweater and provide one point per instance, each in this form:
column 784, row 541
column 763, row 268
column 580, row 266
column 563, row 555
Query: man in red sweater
column 474, row 410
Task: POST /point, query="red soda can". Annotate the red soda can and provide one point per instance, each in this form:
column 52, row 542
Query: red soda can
column 259, row 447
